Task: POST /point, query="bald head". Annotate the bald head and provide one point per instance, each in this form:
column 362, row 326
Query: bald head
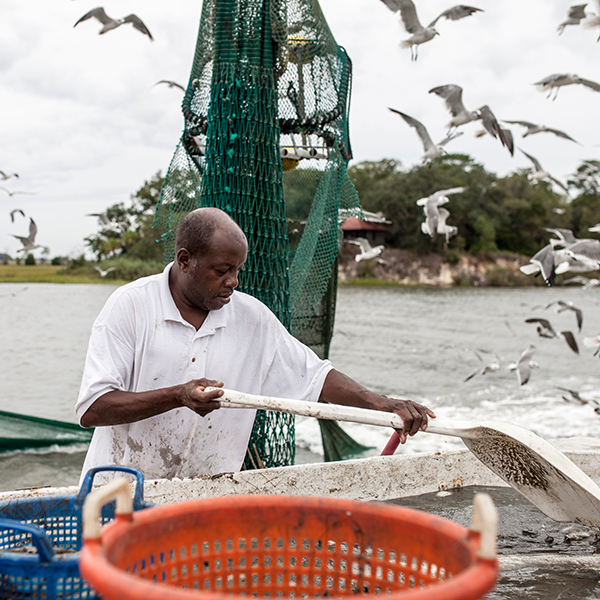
column 196, row 229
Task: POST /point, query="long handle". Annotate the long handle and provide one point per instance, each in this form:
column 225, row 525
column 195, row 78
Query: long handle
column 320, row 410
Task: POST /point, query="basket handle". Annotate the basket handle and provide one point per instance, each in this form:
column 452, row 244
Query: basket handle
column 88, row 480
column 485, row 522
column 92, row 507
column 38, row 536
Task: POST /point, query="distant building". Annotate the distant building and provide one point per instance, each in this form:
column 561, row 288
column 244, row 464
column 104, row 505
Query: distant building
column 373, row 227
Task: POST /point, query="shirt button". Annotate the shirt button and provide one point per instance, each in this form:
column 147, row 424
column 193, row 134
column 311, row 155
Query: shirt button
column 194, row 359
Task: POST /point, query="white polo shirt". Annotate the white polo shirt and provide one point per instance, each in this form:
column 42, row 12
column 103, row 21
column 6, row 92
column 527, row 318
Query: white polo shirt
column 140, row 342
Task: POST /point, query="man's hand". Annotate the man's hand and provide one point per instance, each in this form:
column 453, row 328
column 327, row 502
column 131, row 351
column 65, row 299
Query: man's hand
column 415, row 416
column 194, row 396
column 341, row 389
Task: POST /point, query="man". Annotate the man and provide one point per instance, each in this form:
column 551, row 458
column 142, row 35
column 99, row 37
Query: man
column 159, row 339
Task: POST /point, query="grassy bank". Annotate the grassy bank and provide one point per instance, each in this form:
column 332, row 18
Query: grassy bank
column 47, row 274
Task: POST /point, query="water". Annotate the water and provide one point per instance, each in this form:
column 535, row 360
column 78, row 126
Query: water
column 412, row 343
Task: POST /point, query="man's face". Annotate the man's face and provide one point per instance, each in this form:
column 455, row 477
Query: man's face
column 212, row 277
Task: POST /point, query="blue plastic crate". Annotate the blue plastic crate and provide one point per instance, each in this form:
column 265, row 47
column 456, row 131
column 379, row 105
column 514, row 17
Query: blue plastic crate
column 40, row 539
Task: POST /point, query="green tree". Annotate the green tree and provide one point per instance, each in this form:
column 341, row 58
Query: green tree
column 130, row 231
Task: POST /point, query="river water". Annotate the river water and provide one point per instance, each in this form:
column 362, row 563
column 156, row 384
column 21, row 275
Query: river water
column 409, row 342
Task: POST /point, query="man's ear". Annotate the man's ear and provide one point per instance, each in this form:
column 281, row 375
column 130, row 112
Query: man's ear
column 183, row 258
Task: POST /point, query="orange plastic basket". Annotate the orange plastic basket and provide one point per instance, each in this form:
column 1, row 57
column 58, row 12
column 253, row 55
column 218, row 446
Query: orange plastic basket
column 284, row 547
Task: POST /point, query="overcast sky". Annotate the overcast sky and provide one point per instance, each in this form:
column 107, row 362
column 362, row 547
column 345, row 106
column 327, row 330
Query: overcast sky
column 84, row 126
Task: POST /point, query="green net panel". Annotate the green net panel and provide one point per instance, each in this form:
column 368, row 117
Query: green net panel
column 266, row 140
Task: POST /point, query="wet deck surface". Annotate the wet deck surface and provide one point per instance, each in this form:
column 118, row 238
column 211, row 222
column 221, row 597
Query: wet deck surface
column 540, row 559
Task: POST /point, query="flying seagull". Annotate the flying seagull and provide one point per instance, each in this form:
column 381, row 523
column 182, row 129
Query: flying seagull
column 544, row 329
column 542, row 262
column 12, row 214
column 171, row 84
column 431, row 150
column 107, row 225
column 452, row 94
column 108, row 24
column 533, row 128
column 558, row 80
column 562, row 306
column 575, row 15
column 585, row 282
column 539, row 173
column 4, row 176
column 421, row 34
column 28, row 242
column 367, row 252
column 431, row 208
column 104, row 272
column 523, row 365
column 14, row 192
column 486, row 368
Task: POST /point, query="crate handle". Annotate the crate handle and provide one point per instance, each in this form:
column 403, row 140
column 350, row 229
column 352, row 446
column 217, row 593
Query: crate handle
column 86, row 485
column 117, row 488
column 38, row 535
column 485, row 522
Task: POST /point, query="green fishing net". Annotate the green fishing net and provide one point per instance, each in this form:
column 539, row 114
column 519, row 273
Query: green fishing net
column 266, row 140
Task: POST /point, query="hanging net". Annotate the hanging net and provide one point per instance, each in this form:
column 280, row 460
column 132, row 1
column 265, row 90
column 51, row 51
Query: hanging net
column 266, row 140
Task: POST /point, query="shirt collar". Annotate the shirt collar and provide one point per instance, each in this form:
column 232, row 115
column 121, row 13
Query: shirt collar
column 215, row 319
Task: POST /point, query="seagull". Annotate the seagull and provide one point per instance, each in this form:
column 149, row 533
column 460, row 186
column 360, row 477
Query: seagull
column 544, row 329
column 104, row 273
column 15, row 192
column 492, row 126
column 542, row 262
column 558, row 80
column 586, row 282
column 448, row 230
column 108, row 24
column 28, row 242
column 576, row 398
column 533, row 128
column 421, row 34
column 4, row 176
column 575, row 16
column 562, row 306
column 431, row 209
column 431, row 150
column 540, row 173
column 12, row 214
column 452, row 94
column 586, row 253
column 171, row 84
column 366, row 250
column 566, row 236
column 486, row 368
column 524, row 365
column 107, row 225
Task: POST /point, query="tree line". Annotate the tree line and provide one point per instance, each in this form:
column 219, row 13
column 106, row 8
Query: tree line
column 494, row 214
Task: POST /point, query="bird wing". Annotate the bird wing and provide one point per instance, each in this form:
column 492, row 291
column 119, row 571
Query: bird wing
column 99, row 14
column 452, row 94
column 559, row 183
column 523, row 123
column 138, row 24
column 393, row 5
column 32, row 230
column 171, row 84
column 578, row 313
column 455, row 13
column 535, row 161
column 566, row 235
column 591, row 84
column 362, row 242
column 420, row 128
column 559, row 133
column 523, row 368
column 586, row 248
column 449, row 138
column 408, row 12
column 544, row 259
column 543, row 322
column 450, row 191
column 12, row 214
column 570, row 339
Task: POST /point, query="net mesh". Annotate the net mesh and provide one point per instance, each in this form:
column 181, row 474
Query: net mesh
column 266, row 140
